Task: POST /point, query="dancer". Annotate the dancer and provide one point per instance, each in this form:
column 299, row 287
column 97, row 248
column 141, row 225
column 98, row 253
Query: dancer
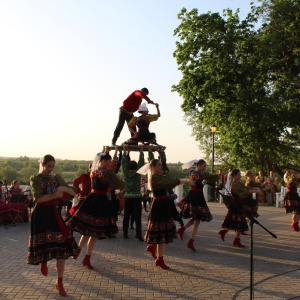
column 161, row 228
column 130, row 105
column 241, row 206
column 49, row 236
column 171, row 195
column 142, row 122
column 195, row 206
column 82, row 185
column 291, row 200
column 95, row 218
column 133, row 196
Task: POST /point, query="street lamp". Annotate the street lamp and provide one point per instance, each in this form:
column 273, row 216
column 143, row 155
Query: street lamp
column 213, row 130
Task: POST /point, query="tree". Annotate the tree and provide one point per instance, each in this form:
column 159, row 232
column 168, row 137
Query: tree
column 26, row 173
column 9, row 174
column 230, row 78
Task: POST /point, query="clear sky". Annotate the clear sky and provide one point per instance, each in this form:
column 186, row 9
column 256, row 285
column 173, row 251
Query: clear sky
column 67, row 65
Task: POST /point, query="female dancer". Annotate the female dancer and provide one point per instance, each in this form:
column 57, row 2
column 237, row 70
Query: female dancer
column 161, row 227
column 142, row 122
column 49, row 236
column 195, row 206
column 291, row 200
column 95, row 217
column 241, row 206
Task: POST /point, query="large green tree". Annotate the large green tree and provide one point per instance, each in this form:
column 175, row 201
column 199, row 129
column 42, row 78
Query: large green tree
column 236, row 75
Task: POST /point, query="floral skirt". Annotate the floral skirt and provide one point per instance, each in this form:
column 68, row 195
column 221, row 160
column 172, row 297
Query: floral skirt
column 161, row 226
column 235, row 218
column 291, row 203
column 94, row 217
column 46, row 240
column 195, row 207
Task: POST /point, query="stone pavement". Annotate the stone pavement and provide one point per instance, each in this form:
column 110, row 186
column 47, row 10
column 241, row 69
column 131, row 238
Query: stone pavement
column 124, row 270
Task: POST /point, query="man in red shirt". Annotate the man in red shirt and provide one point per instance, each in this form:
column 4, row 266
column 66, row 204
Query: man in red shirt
column 130, row 105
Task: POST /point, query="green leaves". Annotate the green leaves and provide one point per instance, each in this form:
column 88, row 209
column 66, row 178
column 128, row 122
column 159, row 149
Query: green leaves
column 243, row 76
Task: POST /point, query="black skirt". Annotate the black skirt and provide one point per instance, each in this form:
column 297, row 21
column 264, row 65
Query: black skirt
column 195, row 207
column 161, row 226
column 95, row 217
column 46, row 240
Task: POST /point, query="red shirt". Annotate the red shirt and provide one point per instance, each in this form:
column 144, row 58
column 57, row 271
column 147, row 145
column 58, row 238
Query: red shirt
column 85, row 181
column 134, row 100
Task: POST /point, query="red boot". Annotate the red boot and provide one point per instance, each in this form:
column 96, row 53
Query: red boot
column 191, row 245
column 295, row 226
column 160, row 262
column 152, row 249
column 59, row 286
column 180, row 231
column 87, row 262
column 77, row 254
column 222, row 233
column 237, row 243
column 44, row 268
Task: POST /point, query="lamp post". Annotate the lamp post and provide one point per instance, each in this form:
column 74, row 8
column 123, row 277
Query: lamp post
column 213, row 130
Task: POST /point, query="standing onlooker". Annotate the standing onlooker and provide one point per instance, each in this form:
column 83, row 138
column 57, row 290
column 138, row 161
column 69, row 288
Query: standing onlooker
column 228, row 179
column 130, row 105
column 49, row 237
column 133, row 196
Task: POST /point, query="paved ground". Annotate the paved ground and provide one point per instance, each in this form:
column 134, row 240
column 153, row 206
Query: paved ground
column 124, row 270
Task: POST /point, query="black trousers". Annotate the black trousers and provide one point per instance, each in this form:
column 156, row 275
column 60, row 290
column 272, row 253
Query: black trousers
column 122, row 118
column 133, row 206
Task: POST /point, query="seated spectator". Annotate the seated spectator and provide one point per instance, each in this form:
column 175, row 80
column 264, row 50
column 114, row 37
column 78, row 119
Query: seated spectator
column 19, row 208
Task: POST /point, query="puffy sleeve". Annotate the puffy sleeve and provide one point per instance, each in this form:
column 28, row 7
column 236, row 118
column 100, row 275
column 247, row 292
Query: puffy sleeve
column 113, row 180
column 210, row 178
column 132, row 122
column 160, row 182
column 152, row 118
column 62, row 182
column 36, row 189
column 240, row 190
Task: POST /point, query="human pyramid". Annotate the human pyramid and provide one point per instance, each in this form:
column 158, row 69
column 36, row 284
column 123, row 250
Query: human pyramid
column 95, row 217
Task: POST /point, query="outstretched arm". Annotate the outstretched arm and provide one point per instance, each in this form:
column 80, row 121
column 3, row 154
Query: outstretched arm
column 158, row 111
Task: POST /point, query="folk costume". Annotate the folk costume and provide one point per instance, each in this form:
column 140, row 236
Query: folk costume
column 142, row 122
column 49, row 237
column 250, row 205
column 161, row 226
column 171, row 195
column 133, row 196
column 95, row 216
column 291, row 200
column 195, row 205
column 130, row 105
column 82, row 185
column 242, row 204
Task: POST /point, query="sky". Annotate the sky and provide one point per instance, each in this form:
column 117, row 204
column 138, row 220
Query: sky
column 66, row 66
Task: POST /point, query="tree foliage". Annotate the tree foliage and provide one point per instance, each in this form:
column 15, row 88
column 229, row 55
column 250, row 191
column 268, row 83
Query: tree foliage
column 243, row 76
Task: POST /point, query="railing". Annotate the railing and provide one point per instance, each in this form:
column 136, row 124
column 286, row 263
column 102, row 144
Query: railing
column 280, row 196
